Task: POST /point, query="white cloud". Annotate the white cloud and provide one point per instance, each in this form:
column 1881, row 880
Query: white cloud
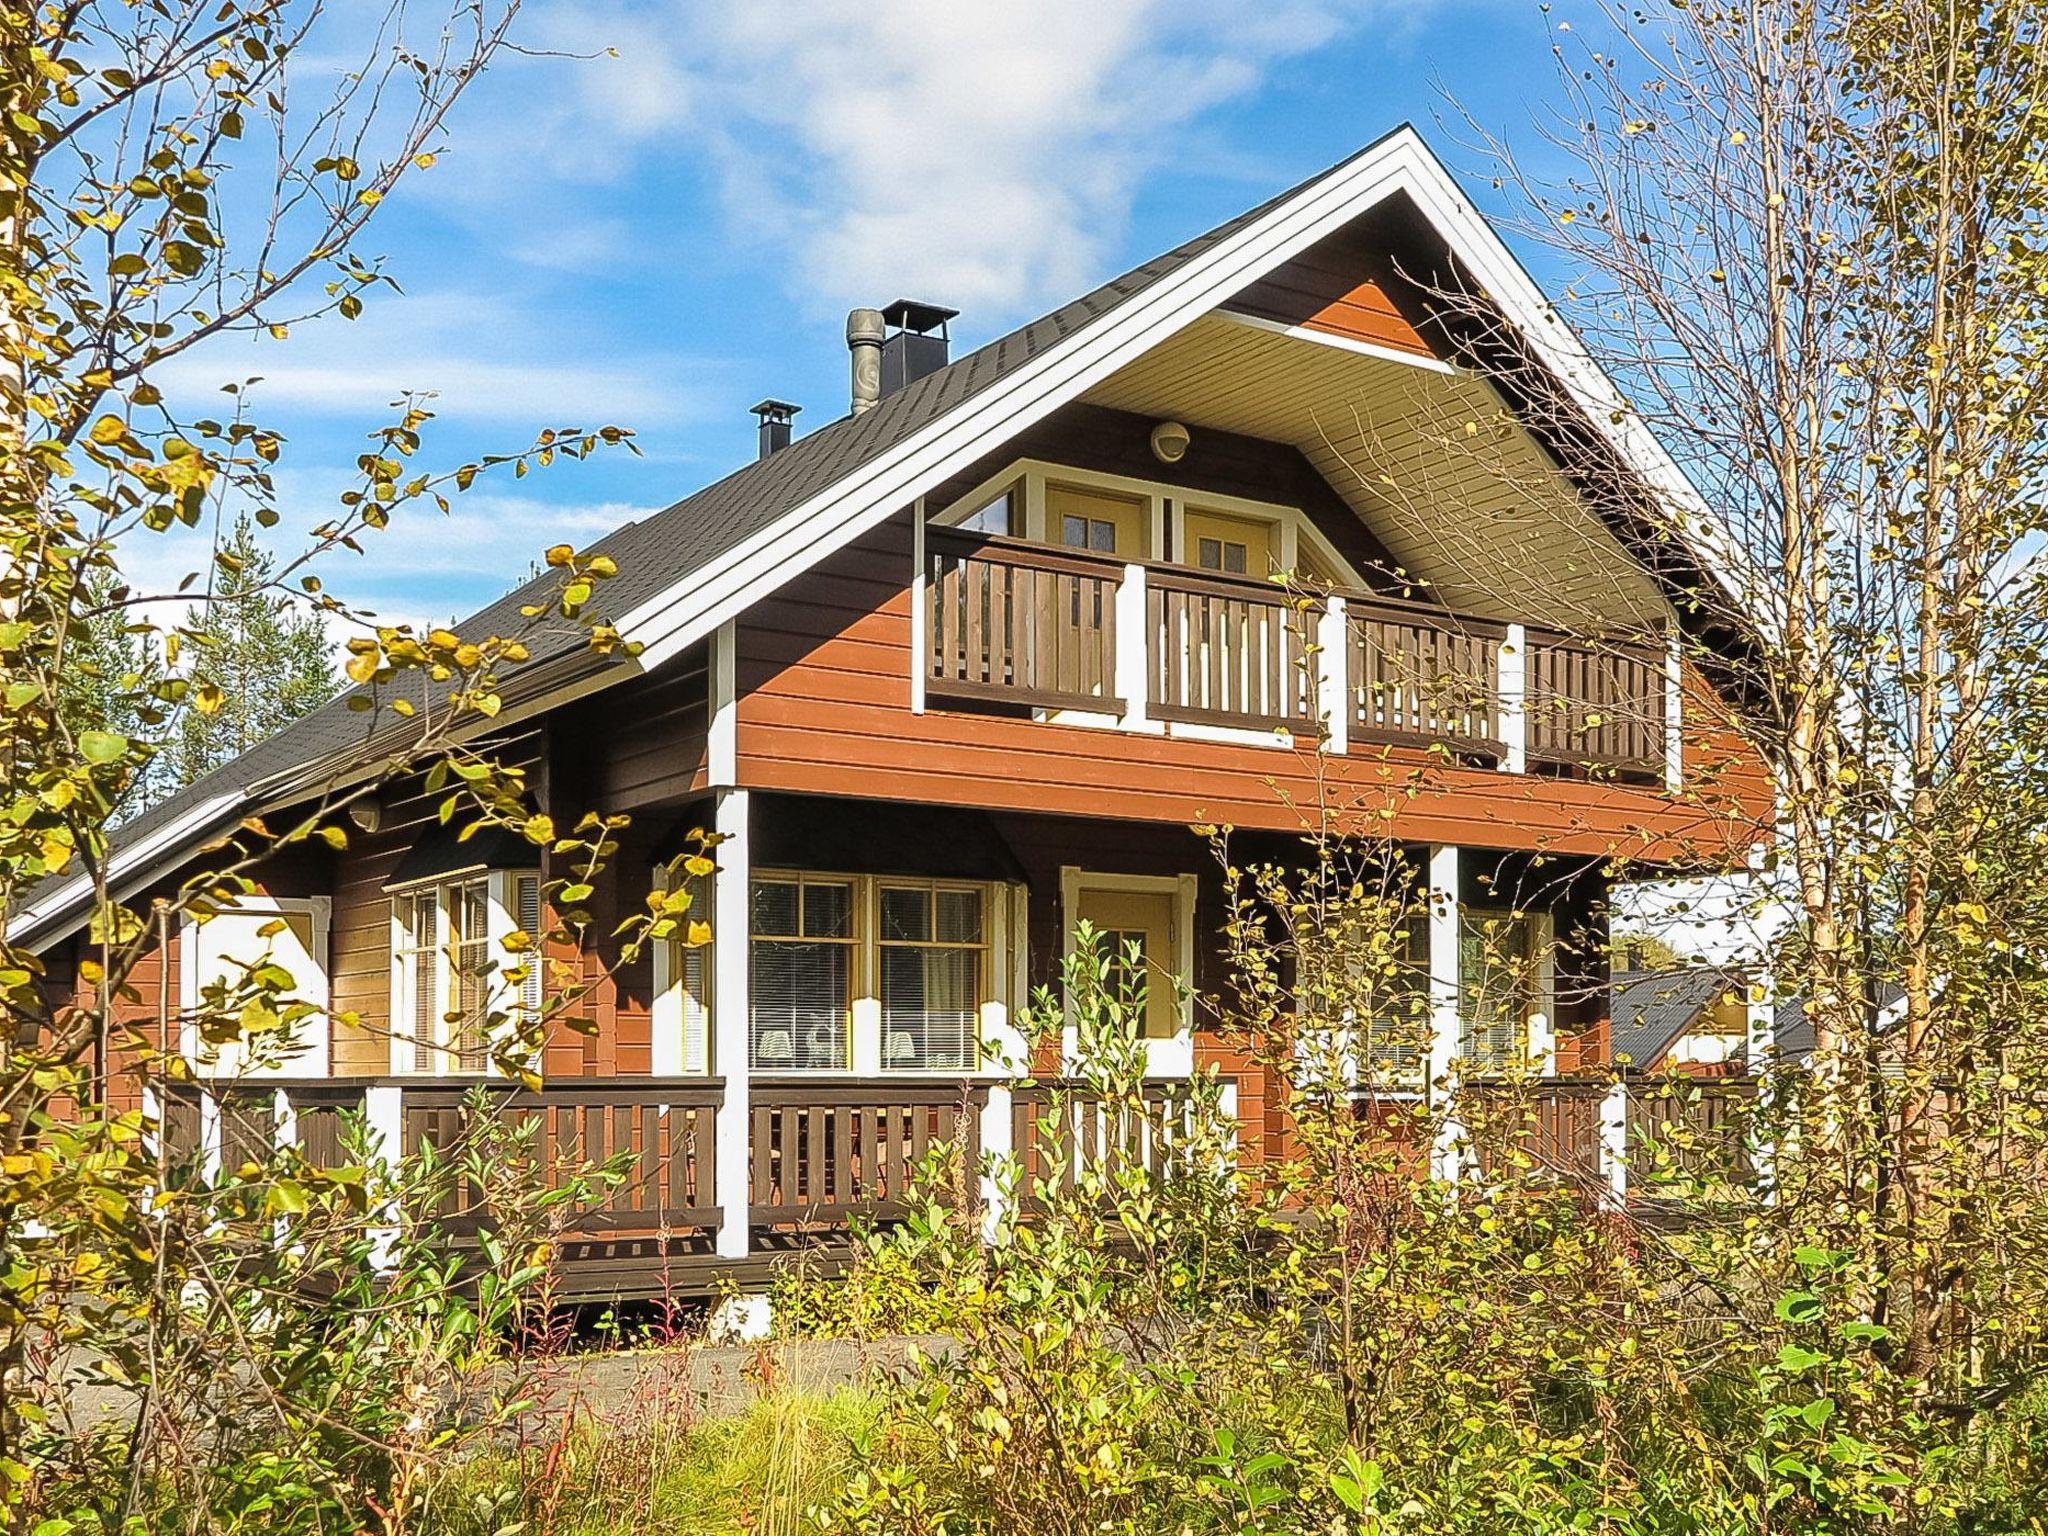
column 487, row 359
column 985, row 155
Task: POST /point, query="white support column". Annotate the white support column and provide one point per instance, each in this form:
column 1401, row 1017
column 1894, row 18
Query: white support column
column 920, row 608
column 384, row 1125
column 1674, row 712
column 1614, row 1141
column 1445, row 923
column 1542, row 1041
column 210, row 1138
column 1514, row 700
column 1005, row 1052
column 722, row 748
column 1133, row 650
column 1333, row 693
column 1761, row 1029
column 730, row 1048
column 284, row 1121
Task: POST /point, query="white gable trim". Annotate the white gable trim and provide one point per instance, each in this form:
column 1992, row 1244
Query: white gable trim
column 694, row 606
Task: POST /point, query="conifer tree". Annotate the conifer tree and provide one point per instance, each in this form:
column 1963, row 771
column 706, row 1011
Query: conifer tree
column 256, row 662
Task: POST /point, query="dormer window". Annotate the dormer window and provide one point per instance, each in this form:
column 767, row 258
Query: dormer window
column 1124, row 518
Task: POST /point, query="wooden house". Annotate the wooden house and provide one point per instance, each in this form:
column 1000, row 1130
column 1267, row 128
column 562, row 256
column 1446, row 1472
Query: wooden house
column 965, row 667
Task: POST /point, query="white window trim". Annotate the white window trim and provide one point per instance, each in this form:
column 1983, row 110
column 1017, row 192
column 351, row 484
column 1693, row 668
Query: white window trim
column 1000, row 1043
column 1175, row 1055
column 1167, row 506
column 316, row 1059
column 500, row 903
column 669, row 1048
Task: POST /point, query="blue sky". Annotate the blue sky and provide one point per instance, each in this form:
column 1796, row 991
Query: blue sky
column 660, row 235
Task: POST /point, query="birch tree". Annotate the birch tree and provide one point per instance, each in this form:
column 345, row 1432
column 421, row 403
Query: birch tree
column 1810, row 241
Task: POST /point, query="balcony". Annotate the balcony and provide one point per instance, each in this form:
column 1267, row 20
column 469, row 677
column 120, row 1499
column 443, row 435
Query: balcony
column 1148, row 646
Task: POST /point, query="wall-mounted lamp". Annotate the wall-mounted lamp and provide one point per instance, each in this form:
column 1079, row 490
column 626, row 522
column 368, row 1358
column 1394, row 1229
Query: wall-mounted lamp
column 1169, row 442
column 366, row 814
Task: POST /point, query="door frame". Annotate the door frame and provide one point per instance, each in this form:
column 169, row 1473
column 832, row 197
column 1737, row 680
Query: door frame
column 1173, row 1056
column 315, row 1059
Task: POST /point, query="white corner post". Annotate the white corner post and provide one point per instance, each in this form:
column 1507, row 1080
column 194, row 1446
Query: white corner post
column 1614, row 1141
column 1333, row 696
column 1445, row 922
column 1674, row 711
column 730, row 1048
column 1006, row 1054
column 1514, row 700
column 384, row 1129
column 1133, row 649
column 920, row 608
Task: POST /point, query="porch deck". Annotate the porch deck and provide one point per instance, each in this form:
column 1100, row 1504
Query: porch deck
column 821, row 1151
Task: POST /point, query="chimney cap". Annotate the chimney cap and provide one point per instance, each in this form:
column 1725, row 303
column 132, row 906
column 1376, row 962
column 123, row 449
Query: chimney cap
column 916, row 315
column 773, row 410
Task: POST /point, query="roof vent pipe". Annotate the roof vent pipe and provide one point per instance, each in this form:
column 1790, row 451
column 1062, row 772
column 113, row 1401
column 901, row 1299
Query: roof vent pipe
column 775, row 424
column 864, row 333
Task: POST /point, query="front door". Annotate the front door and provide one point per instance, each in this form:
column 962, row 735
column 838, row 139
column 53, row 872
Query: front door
column 1140, row 933
column 1100, row 522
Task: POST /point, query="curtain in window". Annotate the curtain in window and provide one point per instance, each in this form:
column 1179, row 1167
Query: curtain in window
column 1495, row 990
column 801, row 974
column 931, row 978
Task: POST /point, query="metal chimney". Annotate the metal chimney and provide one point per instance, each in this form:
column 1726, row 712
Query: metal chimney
column 775, row 424
column 864, row 333
column 917, row 342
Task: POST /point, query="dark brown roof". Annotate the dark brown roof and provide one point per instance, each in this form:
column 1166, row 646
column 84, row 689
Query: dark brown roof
column 655, row 552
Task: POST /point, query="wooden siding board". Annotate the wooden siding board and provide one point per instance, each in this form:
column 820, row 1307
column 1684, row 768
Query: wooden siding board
column 825, row 711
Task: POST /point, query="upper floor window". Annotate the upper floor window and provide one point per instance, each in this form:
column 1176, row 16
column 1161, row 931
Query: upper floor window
column 1001, row 514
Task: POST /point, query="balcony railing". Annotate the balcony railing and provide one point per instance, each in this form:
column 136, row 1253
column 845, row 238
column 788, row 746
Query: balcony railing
column 1022, row 623
column 1228, row 653
column 1048, row 629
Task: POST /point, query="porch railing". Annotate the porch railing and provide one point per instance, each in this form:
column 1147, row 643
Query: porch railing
column 665, row 1127
column 820, row 1150
column 1008, row 621
column 1060, row 1130
column 1629, row 1138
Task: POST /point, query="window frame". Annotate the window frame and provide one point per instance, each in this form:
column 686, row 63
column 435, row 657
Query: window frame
column 854, row 942
column 982, row 947
column 315, row 1055
column 501, row 906
column 1533, row 1046
column 865, row 1023
column 683, row 1011
column 1167, row 506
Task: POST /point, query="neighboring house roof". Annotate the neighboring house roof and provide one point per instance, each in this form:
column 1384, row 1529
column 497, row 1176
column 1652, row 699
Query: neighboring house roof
column 1652, row 1010
column 688, row 569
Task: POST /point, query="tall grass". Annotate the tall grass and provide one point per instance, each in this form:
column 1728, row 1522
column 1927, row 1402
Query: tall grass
column 658, row 1463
